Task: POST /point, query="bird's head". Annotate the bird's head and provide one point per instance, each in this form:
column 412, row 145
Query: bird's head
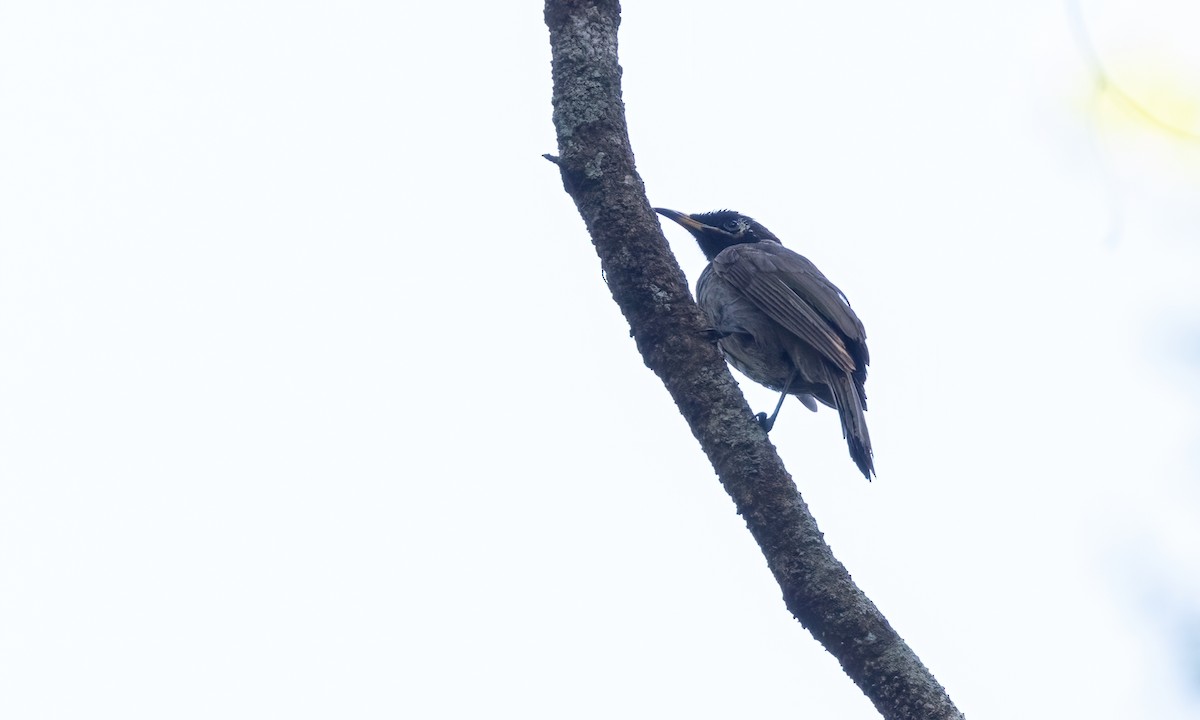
column 715, row 231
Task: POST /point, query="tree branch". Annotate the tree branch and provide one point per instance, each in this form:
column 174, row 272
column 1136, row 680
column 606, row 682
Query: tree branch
column 597, row 166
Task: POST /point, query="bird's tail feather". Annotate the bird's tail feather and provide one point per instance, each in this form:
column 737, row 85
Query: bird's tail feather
column 854, row 423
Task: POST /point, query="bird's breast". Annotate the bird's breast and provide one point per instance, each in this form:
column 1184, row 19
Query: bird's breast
column 750, row 340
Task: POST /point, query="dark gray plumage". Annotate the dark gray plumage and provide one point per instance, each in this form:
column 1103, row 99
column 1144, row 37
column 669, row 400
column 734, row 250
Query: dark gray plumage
column 781, row 322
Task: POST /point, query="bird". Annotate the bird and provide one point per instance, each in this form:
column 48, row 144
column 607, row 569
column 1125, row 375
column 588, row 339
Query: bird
column 781, row 322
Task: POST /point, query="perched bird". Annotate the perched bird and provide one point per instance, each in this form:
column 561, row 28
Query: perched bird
column 780, row 322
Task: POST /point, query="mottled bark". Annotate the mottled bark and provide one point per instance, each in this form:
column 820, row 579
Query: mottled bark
column 597, row 166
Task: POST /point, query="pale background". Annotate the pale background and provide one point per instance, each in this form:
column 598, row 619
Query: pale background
column 313, row 402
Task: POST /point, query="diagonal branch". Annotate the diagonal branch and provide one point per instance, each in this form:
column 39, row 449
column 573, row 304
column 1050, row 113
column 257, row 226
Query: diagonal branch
column 597, row 166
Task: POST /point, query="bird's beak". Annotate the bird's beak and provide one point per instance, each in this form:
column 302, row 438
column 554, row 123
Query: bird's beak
column 682, row 219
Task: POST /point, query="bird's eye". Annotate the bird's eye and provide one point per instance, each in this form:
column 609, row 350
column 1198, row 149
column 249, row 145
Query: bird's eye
column 732, row 226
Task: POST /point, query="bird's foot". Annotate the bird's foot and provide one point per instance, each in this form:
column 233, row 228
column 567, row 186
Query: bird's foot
column 714, row 335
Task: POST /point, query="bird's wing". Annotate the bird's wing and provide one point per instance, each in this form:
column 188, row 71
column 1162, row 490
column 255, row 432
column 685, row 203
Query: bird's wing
column 792, row 292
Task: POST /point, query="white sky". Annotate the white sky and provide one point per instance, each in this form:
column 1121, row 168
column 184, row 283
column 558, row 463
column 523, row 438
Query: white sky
column 313, row 402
